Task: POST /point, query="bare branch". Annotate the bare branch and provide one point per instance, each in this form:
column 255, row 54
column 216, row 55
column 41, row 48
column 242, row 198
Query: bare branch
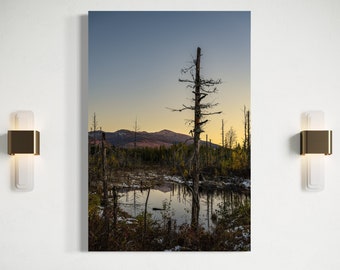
column 210, row 82
column 186, row 69
column 203, row 122
column 212, row 113
column 185, row 107
column 185, row 80
column 202, row 96
column 174, row 110
column 208, row 105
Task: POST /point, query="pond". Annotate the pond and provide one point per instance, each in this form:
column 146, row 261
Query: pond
column 174, row 200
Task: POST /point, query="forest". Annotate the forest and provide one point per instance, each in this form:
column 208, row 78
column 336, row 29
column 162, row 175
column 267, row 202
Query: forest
column 190, row 196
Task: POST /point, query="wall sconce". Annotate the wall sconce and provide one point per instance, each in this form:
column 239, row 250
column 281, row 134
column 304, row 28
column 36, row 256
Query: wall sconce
column 315, row 143
column 23, row 144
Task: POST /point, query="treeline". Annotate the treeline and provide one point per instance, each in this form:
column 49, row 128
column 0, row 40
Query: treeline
column 177, row 159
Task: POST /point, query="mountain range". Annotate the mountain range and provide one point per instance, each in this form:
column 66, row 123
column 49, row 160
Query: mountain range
column 126, row 138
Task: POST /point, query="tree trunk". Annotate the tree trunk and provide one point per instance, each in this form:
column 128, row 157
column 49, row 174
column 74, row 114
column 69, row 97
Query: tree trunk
column 145, row 217
column 197, row 132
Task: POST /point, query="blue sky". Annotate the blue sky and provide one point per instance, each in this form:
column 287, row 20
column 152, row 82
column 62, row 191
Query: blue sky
column 135, row 59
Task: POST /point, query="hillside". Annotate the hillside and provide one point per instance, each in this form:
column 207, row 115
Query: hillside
column 126, row 138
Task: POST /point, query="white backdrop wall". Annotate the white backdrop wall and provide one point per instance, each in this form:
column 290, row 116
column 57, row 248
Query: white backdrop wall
column 295, row 68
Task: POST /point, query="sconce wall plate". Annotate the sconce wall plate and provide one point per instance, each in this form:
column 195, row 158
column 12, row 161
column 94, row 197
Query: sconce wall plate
column 23, row 143
column 315, row 143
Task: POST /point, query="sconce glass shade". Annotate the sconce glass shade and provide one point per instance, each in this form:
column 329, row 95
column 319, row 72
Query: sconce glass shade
column 315, row 144
column 24, row 176
column 23, row 144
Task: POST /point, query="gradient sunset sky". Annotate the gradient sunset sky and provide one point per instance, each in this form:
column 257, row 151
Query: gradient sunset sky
column 135, row 61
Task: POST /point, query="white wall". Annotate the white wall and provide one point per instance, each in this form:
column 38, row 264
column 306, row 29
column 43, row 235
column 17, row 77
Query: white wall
column 295, row 68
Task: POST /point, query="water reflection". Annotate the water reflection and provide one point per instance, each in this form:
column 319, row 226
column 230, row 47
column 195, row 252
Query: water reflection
column 174, row 200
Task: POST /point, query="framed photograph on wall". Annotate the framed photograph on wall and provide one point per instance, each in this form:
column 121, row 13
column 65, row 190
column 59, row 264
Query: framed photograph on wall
column 169, row 133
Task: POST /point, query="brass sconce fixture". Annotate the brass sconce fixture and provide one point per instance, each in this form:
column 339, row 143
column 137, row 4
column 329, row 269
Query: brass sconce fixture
column 315, row 144
column 23, row 144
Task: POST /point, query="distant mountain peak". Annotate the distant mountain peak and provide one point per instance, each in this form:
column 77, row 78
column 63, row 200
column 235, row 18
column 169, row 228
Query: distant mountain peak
column 166, row 131
column 126, row 138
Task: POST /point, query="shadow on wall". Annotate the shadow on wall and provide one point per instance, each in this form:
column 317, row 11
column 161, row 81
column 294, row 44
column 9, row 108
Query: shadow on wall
column 3, row 144
column 83, row 131
column 294, row 144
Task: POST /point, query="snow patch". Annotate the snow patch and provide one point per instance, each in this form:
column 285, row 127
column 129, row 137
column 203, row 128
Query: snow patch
column 246, row 183
column 174, row 178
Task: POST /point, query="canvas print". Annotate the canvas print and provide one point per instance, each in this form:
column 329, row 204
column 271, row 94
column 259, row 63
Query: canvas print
column 169, row 131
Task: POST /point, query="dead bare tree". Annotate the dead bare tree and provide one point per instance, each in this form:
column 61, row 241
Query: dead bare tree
column 201, row 89
column 230, row 138
column 246, row 143
column 222, row 133
column 135, row 130
column 94, row 126
column 246, row 115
